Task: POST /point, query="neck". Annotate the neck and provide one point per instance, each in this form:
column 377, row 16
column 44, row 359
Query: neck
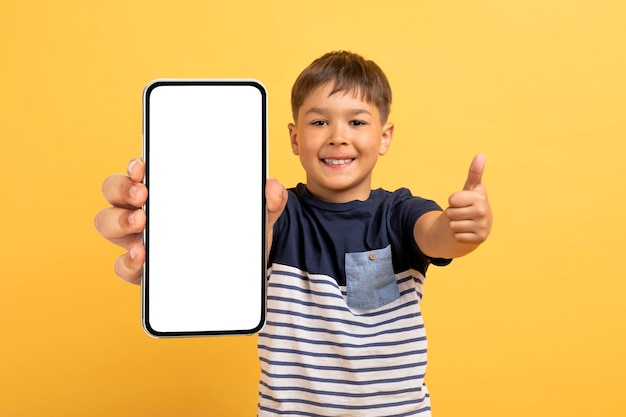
column 340, row 196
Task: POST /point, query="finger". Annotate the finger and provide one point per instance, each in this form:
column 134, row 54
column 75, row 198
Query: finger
column 130, row 265
column 463, row 226
column 462, row 213
column 275, row 199
column 468, row 237
column 472, row 212
column 120, row 226
column 475, row 174
column 470, row 230
column 136, row 169
column 461, row 199
column 121, row 191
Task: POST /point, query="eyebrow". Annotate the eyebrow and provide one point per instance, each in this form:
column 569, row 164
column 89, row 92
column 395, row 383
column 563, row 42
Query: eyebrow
column 353, row 112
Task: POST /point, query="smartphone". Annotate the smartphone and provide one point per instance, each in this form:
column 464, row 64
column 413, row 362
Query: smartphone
column 204, row 146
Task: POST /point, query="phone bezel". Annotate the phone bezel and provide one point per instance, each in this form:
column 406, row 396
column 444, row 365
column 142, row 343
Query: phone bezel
column 145, row 283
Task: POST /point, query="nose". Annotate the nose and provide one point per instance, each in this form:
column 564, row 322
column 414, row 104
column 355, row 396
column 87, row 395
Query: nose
column 338, row 136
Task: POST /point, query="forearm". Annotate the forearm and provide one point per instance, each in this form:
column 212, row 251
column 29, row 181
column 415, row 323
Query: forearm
column 436, row 239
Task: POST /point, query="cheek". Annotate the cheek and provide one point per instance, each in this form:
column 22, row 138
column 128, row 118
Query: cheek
column 305, row 152
column 307, row 147
column 374, row 149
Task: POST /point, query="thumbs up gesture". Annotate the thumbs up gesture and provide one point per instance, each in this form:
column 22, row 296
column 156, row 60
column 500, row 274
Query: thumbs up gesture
column 469, row 214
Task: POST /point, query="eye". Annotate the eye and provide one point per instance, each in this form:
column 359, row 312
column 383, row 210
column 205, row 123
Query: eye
column 319, row 123
column 357, row 123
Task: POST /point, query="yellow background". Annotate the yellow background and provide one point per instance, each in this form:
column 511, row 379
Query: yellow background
column 532, row 324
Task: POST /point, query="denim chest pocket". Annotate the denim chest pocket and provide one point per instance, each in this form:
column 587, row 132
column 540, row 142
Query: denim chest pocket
column 370, row 280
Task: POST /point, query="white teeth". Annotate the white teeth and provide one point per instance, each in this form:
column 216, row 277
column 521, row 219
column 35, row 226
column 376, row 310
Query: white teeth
column 337, row 161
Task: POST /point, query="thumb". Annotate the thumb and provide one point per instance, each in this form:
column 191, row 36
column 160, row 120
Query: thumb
column 275, row 200
column 475, row 174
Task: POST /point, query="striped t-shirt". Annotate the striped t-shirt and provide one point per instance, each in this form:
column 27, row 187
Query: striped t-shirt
column 344, row 334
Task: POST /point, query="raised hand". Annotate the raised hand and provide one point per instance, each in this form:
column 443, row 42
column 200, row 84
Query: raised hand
column 468, row 211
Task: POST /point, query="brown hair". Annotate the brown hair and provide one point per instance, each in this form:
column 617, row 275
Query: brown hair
column 350, row 72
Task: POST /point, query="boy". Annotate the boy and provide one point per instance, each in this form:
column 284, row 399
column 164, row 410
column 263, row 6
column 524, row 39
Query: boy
column 344, row 335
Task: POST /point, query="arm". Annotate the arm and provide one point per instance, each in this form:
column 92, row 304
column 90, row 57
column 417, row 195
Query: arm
column 463, row 226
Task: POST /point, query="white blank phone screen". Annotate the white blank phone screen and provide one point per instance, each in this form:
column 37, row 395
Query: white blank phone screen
column 204, row 145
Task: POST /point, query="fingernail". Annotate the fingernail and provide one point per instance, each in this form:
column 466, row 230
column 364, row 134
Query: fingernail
column 132, row 253
column 131, row 218
column 131, row 166
column 133, row 191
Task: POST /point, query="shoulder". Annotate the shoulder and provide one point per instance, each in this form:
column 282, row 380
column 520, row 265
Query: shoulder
column 296, row 197
column 396, row 196
column 403, row 199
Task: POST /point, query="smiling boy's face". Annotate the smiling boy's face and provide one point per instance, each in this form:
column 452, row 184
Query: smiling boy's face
column 339, row 138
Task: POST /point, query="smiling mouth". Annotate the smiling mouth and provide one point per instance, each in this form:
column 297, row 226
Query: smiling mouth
column 338, row 161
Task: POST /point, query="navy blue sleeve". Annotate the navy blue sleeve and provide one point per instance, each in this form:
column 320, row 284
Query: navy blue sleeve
column 409, row 210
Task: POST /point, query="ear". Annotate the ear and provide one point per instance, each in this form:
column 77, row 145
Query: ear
column 387, row 136
column 293, row 137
